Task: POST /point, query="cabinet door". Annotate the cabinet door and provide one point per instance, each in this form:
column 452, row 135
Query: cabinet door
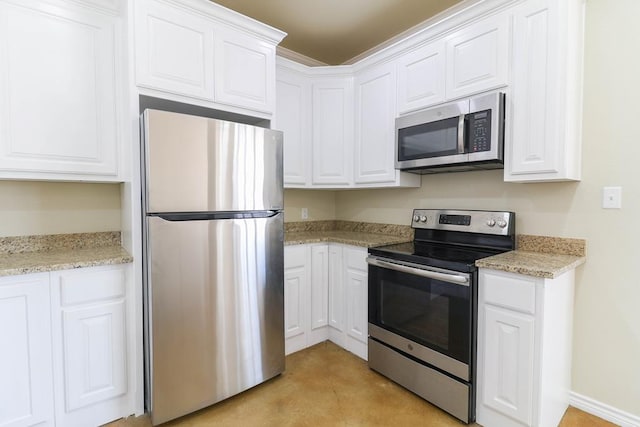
column 297, row 277
column 174, row 50
column 421, row 77
column 375, row 92
column 332, row 131
column 293, row 117
column 319, row 285
column 26, row 385
column 244, row 71
column 356, row 294
column 58, row 103
column 90, row 345
column 336, row 288
column 508, row 362
column 478, row 57
column 543, row 121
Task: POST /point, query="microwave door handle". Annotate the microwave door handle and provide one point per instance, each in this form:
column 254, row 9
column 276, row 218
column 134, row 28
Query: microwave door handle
column 461, row 134
column 451, row 278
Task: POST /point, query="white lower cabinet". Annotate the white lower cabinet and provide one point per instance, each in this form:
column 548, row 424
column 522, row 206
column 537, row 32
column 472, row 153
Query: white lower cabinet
column 64, row 338
column 326, row 297
column 26, row 385
column 524, row 349
column 90, row 345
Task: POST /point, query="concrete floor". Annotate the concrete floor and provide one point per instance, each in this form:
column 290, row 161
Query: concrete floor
column 327, row 386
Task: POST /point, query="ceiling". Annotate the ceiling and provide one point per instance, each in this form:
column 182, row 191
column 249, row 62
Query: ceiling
column 335, row 31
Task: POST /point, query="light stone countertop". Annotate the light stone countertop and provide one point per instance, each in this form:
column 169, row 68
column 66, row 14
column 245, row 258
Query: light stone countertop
column 539, row 256
column 354, row 238
column 363, row 234
column 38, row 254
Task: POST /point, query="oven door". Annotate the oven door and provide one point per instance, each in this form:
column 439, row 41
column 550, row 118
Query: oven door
column 425, row 312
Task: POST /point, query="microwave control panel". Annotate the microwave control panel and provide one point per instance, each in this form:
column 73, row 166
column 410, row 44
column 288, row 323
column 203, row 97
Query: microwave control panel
column 479, row 131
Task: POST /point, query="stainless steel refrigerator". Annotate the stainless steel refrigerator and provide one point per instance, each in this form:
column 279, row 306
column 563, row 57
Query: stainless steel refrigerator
column 213, row 260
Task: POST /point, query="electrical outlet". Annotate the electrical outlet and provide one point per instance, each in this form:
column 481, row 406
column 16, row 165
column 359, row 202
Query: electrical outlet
column 612, row 197
column 304, row 213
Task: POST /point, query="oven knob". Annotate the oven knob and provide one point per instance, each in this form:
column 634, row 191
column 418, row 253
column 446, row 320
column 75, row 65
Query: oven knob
column 423, row 218
column 416, row 218
column 502, row 223
column 491, row 222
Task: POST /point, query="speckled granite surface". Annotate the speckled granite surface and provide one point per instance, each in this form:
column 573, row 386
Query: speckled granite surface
column 362, row 234
column 539, row 256
column 36, row 254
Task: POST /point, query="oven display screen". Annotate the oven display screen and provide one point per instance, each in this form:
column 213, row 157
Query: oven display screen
column 455, row 219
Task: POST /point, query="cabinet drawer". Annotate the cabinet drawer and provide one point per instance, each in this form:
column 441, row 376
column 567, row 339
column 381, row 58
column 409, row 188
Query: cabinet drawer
column 88, row 284
column 508, row 290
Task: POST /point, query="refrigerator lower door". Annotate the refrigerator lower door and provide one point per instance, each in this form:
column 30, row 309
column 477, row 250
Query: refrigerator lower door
column 216, row 299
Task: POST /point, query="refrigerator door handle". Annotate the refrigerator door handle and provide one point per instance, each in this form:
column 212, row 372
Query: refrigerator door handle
column 207, row 216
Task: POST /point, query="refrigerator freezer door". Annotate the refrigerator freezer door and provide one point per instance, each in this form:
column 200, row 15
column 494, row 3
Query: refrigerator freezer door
column 217, row 302
column 196, row 164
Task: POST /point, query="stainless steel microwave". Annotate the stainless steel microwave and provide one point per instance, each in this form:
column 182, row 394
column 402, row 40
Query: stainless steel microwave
column 464, row 135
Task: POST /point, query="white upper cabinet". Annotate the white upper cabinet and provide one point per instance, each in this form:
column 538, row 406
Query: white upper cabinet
column 293, row 117
column 478, row 57
column 332, row 131
column 375, row 100
column 543, row 123
column 198, row 50
column 245, row 71
column 173, row 50
column 421, row 77
column 59, row 91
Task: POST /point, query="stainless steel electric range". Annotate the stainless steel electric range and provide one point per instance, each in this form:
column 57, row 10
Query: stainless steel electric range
column 423, row 304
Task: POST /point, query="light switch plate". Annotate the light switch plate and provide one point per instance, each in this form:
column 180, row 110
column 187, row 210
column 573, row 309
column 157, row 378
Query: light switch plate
column 304, row 213
column 612, row 197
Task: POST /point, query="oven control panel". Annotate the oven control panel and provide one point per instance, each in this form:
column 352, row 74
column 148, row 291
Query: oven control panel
column 487, row 222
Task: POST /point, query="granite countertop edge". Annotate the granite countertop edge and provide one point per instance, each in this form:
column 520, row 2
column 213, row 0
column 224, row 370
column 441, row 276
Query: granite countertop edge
column 66, row 259
column 535, row 264
column 365, row 240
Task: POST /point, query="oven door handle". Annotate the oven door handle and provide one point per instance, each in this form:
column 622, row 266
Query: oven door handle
column 445, row 277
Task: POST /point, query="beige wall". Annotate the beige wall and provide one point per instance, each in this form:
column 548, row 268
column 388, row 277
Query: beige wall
column 28, row 208
column 606, row 347
column 321, row 205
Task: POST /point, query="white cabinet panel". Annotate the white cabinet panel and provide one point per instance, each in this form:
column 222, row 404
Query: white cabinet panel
column 356, row 284
column 375, row 125
column 319, row 286
column 508, row 366
column 95, row 354
column 421, row 77
column 174, row 50
column 297, row 280
column 336, row 288
column 332, row 131
column 91, row 370
column 26, row 386
column 58, row 92
column 293, row 117
column 478, row 57
column 544, row 118
column 244, row 71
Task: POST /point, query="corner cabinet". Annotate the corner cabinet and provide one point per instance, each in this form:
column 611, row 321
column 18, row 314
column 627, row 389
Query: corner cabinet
column 65, row 351
column 199, row 52
column 339, row 127
column 524, row 348
column 61, row 82
column 332, row 131
column 544, row 116
column 326, row 297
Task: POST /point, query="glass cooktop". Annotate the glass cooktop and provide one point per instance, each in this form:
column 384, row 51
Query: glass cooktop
column 452, row 257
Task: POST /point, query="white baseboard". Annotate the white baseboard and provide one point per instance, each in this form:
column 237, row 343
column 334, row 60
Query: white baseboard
column 604, row 411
